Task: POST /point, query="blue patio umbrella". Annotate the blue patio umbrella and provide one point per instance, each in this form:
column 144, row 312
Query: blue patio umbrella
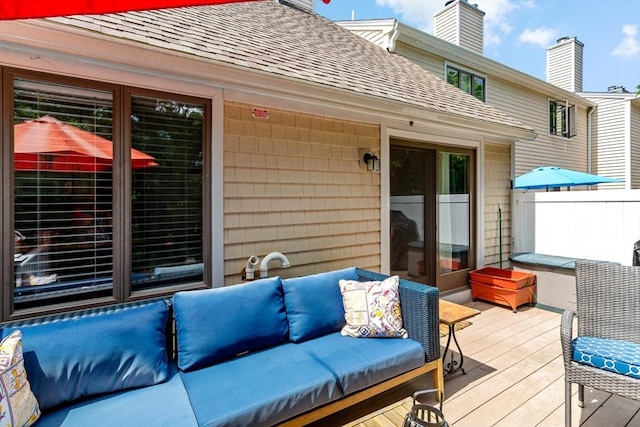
column 553, row 177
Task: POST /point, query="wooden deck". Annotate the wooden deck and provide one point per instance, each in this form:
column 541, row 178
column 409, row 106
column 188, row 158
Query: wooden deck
column 514, row 377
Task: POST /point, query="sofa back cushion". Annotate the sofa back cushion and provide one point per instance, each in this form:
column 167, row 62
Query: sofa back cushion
column 314, row 303
column 217, row 324
column 74, row 355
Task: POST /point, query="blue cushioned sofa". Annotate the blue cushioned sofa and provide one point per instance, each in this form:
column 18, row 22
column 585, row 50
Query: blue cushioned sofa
column 265, row 352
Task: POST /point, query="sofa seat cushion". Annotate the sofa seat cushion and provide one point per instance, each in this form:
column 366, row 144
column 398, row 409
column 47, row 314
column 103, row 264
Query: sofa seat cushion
column 165, row 404
column 359, row 363
column 74, row 355
column 617, row 356
column 217, row 324
column 314, row 303
column 261, row 388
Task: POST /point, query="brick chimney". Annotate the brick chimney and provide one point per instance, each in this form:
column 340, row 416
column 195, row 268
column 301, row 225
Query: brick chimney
column 462, row 24
column 564, row 64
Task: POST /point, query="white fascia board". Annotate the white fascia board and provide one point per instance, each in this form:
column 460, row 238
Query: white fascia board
column 480, row 63
column 51, row 47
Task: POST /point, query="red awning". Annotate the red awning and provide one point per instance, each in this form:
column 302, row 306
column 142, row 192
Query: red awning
column 15, row 9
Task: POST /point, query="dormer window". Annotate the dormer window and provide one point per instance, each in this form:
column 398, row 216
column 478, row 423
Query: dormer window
column 562, row 119
column 467, row 81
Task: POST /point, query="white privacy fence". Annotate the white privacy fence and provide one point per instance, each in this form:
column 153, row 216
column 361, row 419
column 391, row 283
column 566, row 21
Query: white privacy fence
column 599, row 225
column 453, row 216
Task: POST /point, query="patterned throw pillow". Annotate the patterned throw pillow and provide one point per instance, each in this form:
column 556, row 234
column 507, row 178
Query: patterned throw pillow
column 18, row 405
column 372, row 309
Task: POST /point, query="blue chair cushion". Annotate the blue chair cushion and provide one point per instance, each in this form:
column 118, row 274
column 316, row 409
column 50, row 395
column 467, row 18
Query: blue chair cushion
column 621, row 357
column 314, row 303
column 165, row 404
column 359, row 363
column 216, row 324
column 95, row 351
column 261, row 388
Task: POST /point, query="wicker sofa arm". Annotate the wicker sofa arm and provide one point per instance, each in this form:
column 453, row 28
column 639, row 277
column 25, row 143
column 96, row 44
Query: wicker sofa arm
column 420, row 316
column 566, row 335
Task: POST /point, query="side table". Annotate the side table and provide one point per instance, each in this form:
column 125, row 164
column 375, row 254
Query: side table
column 450, row 314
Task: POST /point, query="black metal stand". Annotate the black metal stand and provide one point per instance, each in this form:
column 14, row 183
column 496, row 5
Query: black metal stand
column 453, row 366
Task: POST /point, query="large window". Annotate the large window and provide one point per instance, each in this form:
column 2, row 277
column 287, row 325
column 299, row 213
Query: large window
column 467, row 81
column 561, row 119
column 108, row 201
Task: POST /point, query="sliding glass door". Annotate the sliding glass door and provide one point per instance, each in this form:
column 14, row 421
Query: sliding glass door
column 432, row 214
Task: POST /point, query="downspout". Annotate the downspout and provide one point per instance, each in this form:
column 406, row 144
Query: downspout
column 393, row 35
column 589, row 133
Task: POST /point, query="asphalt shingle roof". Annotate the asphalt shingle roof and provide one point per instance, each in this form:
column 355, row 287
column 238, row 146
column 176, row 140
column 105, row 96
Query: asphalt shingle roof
column 281, row 40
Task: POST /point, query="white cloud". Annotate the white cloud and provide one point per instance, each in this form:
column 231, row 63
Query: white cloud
column 497, row 20
column 417, row 13
column 630, row 44
column 542, row 36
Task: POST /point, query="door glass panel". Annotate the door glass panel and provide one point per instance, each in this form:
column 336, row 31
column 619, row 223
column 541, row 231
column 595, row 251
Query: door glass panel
column 407, row 212
column 453, row 211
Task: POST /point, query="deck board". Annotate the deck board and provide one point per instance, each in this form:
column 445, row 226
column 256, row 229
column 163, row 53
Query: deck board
column 515, row 377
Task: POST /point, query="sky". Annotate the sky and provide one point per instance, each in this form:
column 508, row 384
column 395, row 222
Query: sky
column 518, row 32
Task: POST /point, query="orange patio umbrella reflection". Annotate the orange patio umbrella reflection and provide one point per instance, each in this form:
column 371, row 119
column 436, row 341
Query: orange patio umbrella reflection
column 49, row 144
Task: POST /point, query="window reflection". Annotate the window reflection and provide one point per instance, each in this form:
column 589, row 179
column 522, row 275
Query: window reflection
column 65, row 194
column 166, row 203
column 62, row 187
column 454, row 212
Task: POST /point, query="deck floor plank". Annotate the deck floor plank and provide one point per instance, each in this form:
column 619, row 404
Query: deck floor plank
column 515, row 377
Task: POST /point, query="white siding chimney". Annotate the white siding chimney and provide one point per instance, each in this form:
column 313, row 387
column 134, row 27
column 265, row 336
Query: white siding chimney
column 462, row 24
column 564, row 64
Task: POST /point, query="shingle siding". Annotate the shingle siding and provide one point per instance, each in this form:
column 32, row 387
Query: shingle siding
column 293, row 184
column 497, row 188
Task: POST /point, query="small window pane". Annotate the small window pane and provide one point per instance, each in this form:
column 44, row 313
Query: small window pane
column 167, row 189
column 62, row 192
column 478, row 88
column 465, row 82
column 452, row 76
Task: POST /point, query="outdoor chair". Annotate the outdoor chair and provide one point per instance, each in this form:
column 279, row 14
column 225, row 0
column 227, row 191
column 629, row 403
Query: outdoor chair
column 605, row 352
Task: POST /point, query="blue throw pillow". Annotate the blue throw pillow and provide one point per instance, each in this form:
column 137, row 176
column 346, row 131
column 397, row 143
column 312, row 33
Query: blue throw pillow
column 314, row 303
column 217, row 324
column 96, row 351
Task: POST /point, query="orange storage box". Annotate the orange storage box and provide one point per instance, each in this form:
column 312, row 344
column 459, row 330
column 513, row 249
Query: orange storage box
column 503, row 278
column 510, row 297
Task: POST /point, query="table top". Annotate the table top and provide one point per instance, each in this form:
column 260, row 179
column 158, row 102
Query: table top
column 452, row 313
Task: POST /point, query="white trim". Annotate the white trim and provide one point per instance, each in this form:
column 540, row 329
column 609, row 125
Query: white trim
column 480, row 204
column 438, row 47
column 385, row 200
column 37, row 46
column 627, row 145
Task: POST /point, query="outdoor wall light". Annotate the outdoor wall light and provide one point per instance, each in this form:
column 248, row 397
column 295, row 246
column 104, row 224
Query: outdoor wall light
column 372, row 161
